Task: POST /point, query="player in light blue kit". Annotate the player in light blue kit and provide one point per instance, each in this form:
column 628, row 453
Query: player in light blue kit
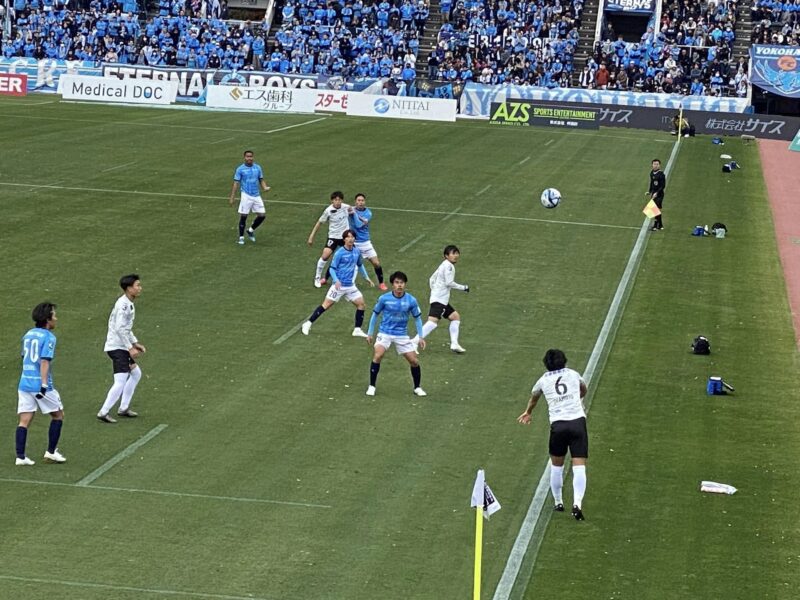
column 250, row 178
column 360, row 217
column 343, row 273
column 36, row 384
column 395, row 307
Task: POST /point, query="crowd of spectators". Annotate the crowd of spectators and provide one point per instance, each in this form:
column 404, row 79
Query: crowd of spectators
column 359, row 39
column 691, row 54
column 524, row 42
column 776, row 22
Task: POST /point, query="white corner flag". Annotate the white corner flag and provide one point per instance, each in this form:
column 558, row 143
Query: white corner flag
column 482, row 496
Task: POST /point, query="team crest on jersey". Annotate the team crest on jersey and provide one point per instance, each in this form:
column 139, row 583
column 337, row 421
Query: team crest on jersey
column 777, row 69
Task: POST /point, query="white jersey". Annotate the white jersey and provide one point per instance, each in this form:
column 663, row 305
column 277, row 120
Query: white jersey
column 442, row 281
column 562, row 390
column 120, row 324
column 337, row 220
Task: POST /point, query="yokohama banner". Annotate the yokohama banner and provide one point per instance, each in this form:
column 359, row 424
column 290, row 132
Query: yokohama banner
column 776, row 69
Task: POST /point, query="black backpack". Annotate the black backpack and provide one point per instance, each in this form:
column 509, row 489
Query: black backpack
column 701, row 345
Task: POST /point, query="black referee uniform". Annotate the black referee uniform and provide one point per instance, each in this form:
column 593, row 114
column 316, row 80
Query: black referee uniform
column 658, row 182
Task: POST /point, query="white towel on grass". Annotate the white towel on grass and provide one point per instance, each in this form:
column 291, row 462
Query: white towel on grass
column 717, row 488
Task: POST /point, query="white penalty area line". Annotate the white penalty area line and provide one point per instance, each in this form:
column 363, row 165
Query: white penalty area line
column 102, row 469
column 484, row 190
column 411, row 243
column 109, row 488
column 126, row 588
column 128, row 164
column 290, row 333
column 535, row 515
column 526, row 159
column 317, row 204
column 548, row 142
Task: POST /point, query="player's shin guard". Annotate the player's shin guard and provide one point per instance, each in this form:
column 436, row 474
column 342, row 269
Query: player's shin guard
column 557, row 483
column 259, row 220
column 54, row 434
column 416, row 375
column 242, row 224
column 317, row 313
column 373, row 373
column 454, row 328
column 22, row 439
column 130, row 387
column 428, row 327
column 578, row 484
column 379, row 273
column 359, row 318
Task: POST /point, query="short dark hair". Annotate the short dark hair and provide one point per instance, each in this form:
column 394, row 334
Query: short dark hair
column 450, row 249
column 658, row 160
column 347, row 232
column 554, row 360
column 42, row 313
column 398, row 275
column 127, row 281
column 337, row 194
column 248, row 152
column 360, row 194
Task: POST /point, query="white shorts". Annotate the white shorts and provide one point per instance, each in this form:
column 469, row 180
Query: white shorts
column 402, row 343
column 28, row 402
column 250, row 204
column 366, row 249
column 350, row 293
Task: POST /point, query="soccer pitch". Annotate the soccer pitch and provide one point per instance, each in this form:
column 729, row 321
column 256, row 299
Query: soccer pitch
column 268, row 474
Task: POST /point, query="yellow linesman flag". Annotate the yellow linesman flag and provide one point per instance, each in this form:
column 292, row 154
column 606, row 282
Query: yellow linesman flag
column 651, row 210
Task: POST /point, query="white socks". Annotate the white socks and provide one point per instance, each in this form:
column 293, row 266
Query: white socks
column 130, row 387
column 320, row 268
column 557, row 483
column 454, row 327
column 427, row 327
column 114, row 393
column 578, row 484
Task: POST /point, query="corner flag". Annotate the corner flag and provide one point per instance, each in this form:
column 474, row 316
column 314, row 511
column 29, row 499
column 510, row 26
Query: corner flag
column 485, row 504
column 651, row 210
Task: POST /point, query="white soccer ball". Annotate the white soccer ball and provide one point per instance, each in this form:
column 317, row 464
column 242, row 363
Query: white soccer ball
column 551, row 198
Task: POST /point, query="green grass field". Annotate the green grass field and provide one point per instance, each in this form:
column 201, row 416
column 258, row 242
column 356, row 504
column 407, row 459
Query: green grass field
column 275, row 477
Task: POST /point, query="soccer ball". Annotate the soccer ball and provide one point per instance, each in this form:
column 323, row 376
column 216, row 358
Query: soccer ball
column 551, row 198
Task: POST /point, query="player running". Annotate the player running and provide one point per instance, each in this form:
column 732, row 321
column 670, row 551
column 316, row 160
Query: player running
column 360, row 218
column 395, row 308
column 345, row 262
column 336, row 217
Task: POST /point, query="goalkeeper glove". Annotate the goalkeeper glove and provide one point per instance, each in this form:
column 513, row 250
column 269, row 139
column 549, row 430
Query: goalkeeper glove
column 42, row 392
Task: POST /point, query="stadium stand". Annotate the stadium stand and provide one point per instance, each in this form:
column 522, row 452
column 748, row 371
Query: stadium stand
column 776, row 22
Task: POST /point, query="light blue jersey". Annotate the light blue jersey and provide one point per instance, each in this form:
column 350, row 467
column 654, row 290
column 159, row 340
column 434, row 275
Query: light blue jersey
column 37, row 345
column 249, row 178
column 358, row 226
column 396, row 312
column 344, row 265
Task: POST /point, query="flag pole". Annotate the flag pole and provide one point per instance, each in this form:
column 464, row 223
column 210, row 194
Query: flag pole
column 476, row 588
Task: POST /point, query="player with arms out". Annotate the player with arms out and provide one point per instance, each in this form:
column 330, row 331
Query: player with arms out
column 564, row 390
column 336, row 217
column 394, row 309
column 442, row 282
column 343, row 272
column 360, row 218
column 36, row 385
column 249, row 177
column 122, row 348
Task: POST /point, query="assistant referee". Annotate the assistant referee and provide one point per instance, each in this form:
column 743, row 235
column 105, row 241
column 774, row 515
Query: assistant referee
column 658, row 182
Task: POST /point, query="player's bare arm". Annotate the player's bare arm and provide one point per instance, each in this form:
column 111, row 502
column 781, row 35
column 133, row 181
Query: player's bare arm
column 525, row 418
column 234, row 189
column 314, row 231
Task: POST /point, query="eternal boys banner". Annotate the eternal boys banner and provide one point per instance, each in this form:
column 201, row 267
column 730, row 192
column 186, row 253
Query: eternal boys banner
column 776, row 69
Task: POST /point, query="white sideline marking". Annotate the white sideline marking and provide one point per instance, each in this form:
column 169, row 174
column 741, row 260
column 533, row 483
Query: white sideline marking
column 526, row 159
column 291, row 202
column 534, row 514
column 290, row 333
column 118, row 167
column 220, row 141
column 101, row 470
column 412, row 242
column 126, row 588
column 109, row 488
column 548, row 142
column 483, row 190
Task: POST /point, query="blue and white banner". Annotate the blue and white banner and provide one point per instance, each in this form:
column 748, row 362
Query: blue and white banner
column 776, row 69
column 645, row 7
column 477, row 99
column 43, row 75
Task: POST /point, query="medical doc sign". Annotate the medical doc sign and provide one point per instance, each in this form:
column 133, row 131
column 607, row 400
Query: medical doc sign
column 524, row 113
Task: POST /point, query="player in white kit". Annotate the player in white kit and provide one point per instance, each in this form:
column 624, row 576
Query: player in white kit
column 336, row 215
column 564, row 390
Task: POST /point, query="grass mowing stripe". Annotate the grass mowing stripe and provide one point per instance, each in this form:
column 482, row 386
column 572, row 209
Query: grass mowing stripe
column 109, row 488
column 102, row 469
column 291, row 202
column 534, row 514
column 125, row 588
